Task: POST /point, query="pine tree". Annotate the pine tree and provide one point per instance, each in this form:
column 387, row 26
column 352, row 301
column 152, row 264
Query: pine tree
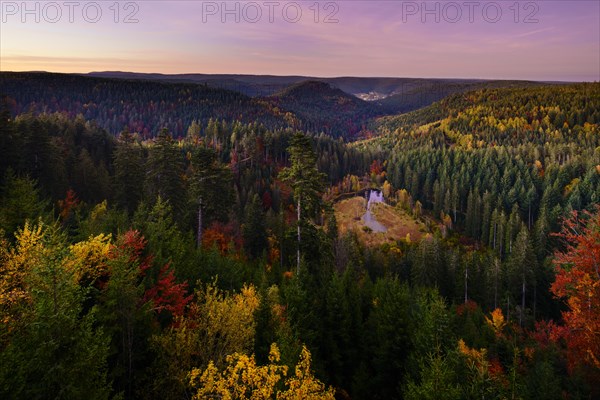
column 254, row 229
column 522, row 263
column 129, row 172
column 10, row 143
column 164, row 174
column 305, row 179
column 210, row 188
column 21, row 201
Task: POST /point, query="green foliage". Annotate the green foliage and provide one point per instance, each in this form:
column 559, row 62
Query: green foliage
column 254, row 230
column 303, row 175
column 513, row 154
column 164, row 174
column 211, row 191
column 499, row 168
column 129, row 172
column 56, row 350
column 389, row 327
column 21, row 201
column 164, row 238
column 437, row 380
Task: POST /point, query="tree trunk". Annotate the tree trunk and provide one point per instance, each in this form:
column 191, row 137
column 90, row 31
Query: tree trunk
column 199, row 232
column 534, row 300
column 495, row 284
column 522, row 302
column 299, row 237
column 466, row 282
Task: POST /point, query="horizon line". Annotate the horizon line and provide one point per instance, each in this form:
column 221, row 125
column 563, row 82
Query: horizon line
column 302, row 76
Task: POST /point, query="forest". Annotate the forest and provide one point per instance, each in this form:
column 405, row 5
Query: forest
column 176, row 241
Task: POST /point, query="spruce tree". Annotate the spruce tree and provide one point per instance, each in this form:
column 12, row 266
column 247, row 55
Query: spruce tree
column 305, row 179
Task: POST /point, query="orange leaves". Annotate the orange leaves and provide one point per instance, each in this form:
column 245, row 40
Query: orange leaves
column 67, row 205
column 578, row 280
column 468, row 307
column 476, row 357
column 213, row 238
column 497, row 323
column 221, row 237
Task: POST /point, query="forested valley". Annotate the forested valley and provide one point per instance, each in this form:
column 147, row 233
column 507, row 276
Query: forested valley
column 192, row 247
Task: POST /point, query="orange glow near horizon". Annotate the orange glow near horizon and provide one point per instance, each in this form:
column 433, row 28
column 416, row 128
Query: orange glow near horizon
column 555, row 41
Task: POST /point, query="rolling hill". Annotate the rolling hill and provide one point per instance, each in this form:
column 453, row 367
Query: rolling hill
column 322, row 107
column 391, row 95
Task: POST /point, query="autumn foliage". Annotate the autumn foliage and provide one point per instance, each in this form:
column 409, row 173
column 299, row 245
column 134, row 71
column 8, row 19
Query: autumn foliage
column 244, row 379
column 167, row 294
column 578, row 282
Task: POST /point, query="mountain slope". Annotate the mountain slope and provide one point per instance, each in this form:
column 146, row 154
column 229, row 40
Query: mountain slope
column 142, row 106
column 323, row 108
column 393, row 95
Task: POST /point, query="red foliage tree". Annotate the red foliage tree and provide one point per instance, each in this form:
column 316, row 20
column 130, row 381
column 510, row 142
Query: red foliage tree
column 167, row 294
column 133, row 243
column 578, row 281
column 67, row 205
column 376, row 167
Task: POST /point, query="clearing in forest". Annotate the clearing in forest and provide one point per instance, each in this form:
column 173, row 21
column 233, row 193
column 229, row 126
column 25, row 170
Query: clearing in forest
column 350, row 216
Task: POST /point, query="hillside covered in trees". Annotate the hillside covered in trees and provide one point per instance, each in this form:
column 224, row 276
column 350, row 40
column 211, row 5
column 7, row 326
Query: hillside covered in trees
column 146, row 103
column 146, row 106
column 176, row 241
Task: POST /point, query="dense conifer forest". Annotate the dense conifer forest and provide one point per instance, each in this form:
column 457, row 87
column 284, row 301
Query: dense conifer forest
column 177, row 241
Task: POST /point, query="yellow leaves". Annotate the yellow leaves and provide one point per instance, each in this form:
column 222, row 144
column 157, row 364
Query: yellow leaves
column 587, row 127
column 217, row 324
column 247, row 302
column 37, row 254
column 241, row 379
column 497, row 323
column 89, row 258
column 29, row 242
column 227, row 320
column 244, row 379
column 99, row 211
column 15, row 264
column 571, row 186
column 387, row 189
column 304, row 385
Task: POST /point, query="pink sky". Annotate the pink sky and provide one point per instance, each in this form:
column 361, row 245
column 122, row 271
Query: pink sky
column 537, row 40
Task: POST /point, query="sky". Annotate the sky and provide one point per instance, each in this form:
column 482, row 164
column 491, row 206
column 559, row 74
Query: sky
column 535, row 40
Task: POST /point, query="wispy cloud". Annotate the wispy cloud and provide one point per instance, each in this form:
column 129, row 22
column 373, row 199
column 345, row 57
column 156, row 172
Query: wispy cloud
column 370, row 38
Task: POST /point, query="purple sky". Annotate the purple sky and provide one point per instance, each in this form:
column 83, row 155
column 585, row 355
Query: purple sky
column 538, row 40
